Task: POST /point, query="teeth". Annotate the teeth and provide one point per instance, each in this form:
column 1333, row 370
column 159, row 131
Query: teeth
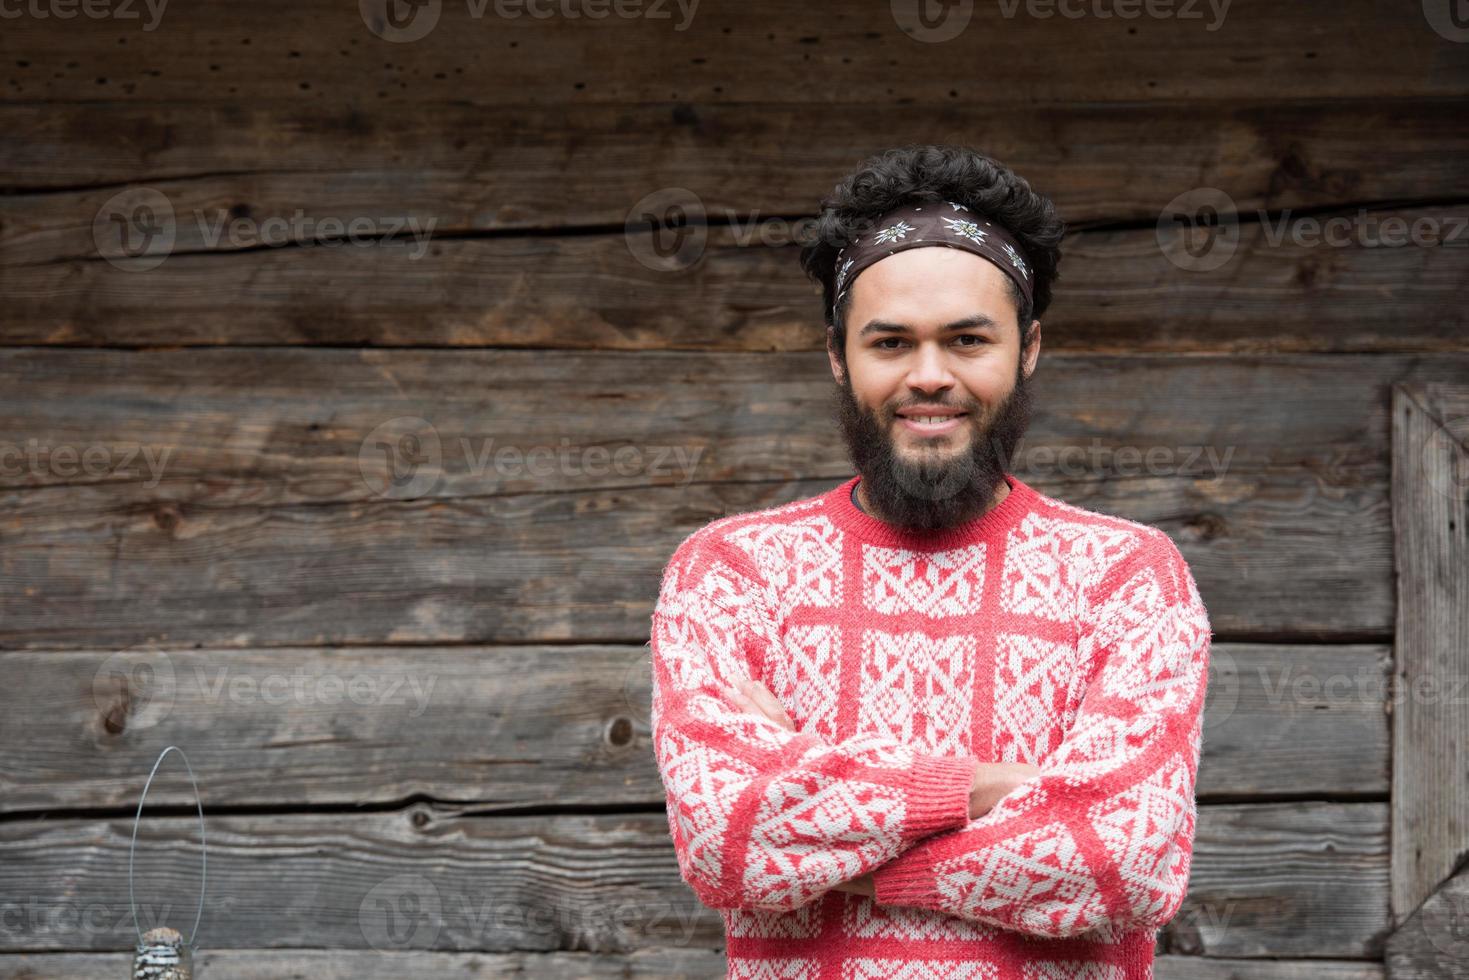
column 931, row 419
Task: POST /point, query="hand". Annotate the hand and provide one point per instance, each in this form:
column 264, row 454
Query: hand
column 858, row 886
column 754, row 697
column 993, row 781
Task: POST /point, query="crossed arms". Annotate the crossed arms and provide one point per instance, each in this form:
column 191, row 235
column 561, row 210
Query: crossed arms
column 767, row 817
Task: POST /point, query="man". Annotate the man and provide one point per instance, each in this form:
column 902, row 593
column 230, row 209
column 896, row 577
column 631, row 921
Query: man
column 932, row 722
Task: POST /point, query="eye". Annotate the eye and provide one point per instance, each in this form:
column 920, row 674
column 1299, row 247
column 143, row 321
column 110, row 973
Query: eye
column 978, row 340
column 879, row 344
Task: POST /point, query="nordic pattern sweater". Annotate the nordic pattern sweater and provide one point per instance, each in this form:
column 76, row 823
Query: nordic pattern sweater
column 1038, row 632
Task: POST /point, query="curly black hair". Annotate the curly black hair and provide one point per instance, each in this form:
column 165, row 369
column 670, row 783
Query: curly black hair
column 935, row 172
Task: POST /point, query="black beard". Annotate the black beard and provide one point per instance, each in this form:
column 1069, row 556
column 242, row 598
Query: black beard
column 940, row 491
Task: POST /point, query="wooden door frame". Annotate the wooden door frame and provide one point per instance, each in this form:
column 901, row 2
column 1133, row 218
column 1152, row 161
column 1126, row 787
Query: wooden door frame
column 1430, row 701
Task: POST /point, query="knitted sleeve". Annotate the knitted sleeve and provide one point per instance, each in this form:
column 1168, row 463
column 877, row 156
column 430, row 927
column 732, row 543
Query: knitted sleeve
column 1103, row 835
column 763, row 817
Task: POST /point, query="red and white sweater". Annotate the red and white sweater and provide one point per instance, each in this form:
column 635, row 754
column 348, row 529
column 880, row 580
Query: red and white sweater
column 1039, row 632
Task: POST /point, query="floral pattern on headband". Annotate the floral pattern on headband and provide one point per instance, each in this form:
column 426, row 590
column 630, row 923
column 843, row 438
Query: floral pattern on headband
column 892, row 233
column 1015, row 259
column 842, row 272
column 968, row 229
column 895, row 236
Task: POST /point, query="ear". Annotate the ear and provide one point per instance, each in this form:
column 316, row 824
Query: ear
column 1032, row 353
column 831, row 354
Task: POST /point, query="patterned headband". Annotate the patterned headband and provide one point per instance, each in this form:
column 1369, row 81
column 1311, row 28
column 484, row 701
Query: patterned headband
column 931, row 223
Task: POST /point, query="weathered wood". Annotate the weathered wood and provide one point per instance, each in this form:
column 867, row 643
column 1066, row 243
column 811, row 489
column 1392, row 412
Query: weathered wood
column 587, row 165
column 547, row 726
column 335, row 964
column 1281, row 289
column 759, row 51
column 1434, row 941
column 1430, row 787
column 271, row 523
column 1209, row 968
column 1291, row 880
column 1253, row 882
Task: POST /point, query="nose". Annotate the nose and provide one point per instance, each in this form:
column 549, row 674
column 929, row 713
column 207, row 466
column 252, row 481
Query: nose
column 930, row 372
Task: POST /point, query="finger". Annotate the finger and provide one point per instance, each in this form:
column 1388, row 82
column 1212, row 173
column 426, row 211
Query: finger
column 745, row 704
column 770, row 704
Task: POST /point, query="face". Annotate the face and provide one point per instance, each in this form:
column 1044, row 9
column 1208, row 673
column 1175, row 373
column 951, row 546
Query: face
column 933, row 398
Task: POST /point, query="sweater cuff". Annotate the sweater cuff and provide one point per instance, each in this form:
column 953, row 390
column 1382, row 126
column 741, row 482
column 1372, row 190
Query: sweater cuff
column 903, row 882
column 938, row 796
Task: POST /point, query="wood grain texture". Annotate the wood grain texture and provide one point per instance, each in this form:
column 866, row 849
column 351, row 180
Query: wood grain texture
column 535, row 167
column 1289, row 880
column 298, row 964
column 271, row 521
column 760, row 51
column 1430, row 787
column 1434, row 940
column 509, row 727
column 1281, row 287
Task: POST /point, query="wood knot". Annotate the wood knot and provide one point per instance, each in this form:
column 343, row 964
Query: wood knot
column 1205, row 527
column 167, row 517
column 115, row 715
column 619, row 731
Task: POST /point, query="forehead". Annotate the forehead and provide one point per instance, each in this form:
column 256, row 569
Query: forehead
column 931, row 284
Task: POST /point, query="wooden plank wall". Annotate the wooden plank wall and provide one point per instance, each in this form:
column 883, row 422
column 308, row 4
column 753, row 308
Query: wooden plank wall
column 418, row 708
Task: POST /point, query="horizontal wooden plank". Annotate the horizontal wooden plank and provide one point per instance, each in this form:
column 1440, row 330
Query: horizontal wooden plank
column 336, row 964
column 1281, row 288
column 504, row 727
column 346, row 964
column 242, row 498
column 1098, row 163
column 760, row 51
column 1209, row 968
column 1290, row 879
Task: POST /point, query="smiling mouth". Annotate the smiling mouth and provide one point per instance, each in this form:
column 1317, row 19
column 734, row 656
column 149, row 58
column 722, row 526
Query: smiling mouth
column 931, row 425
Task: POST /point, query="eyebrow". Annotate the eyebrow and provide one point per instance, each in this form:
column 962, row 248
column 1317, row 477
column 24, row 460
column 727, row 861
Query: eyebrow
column 978, row 320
